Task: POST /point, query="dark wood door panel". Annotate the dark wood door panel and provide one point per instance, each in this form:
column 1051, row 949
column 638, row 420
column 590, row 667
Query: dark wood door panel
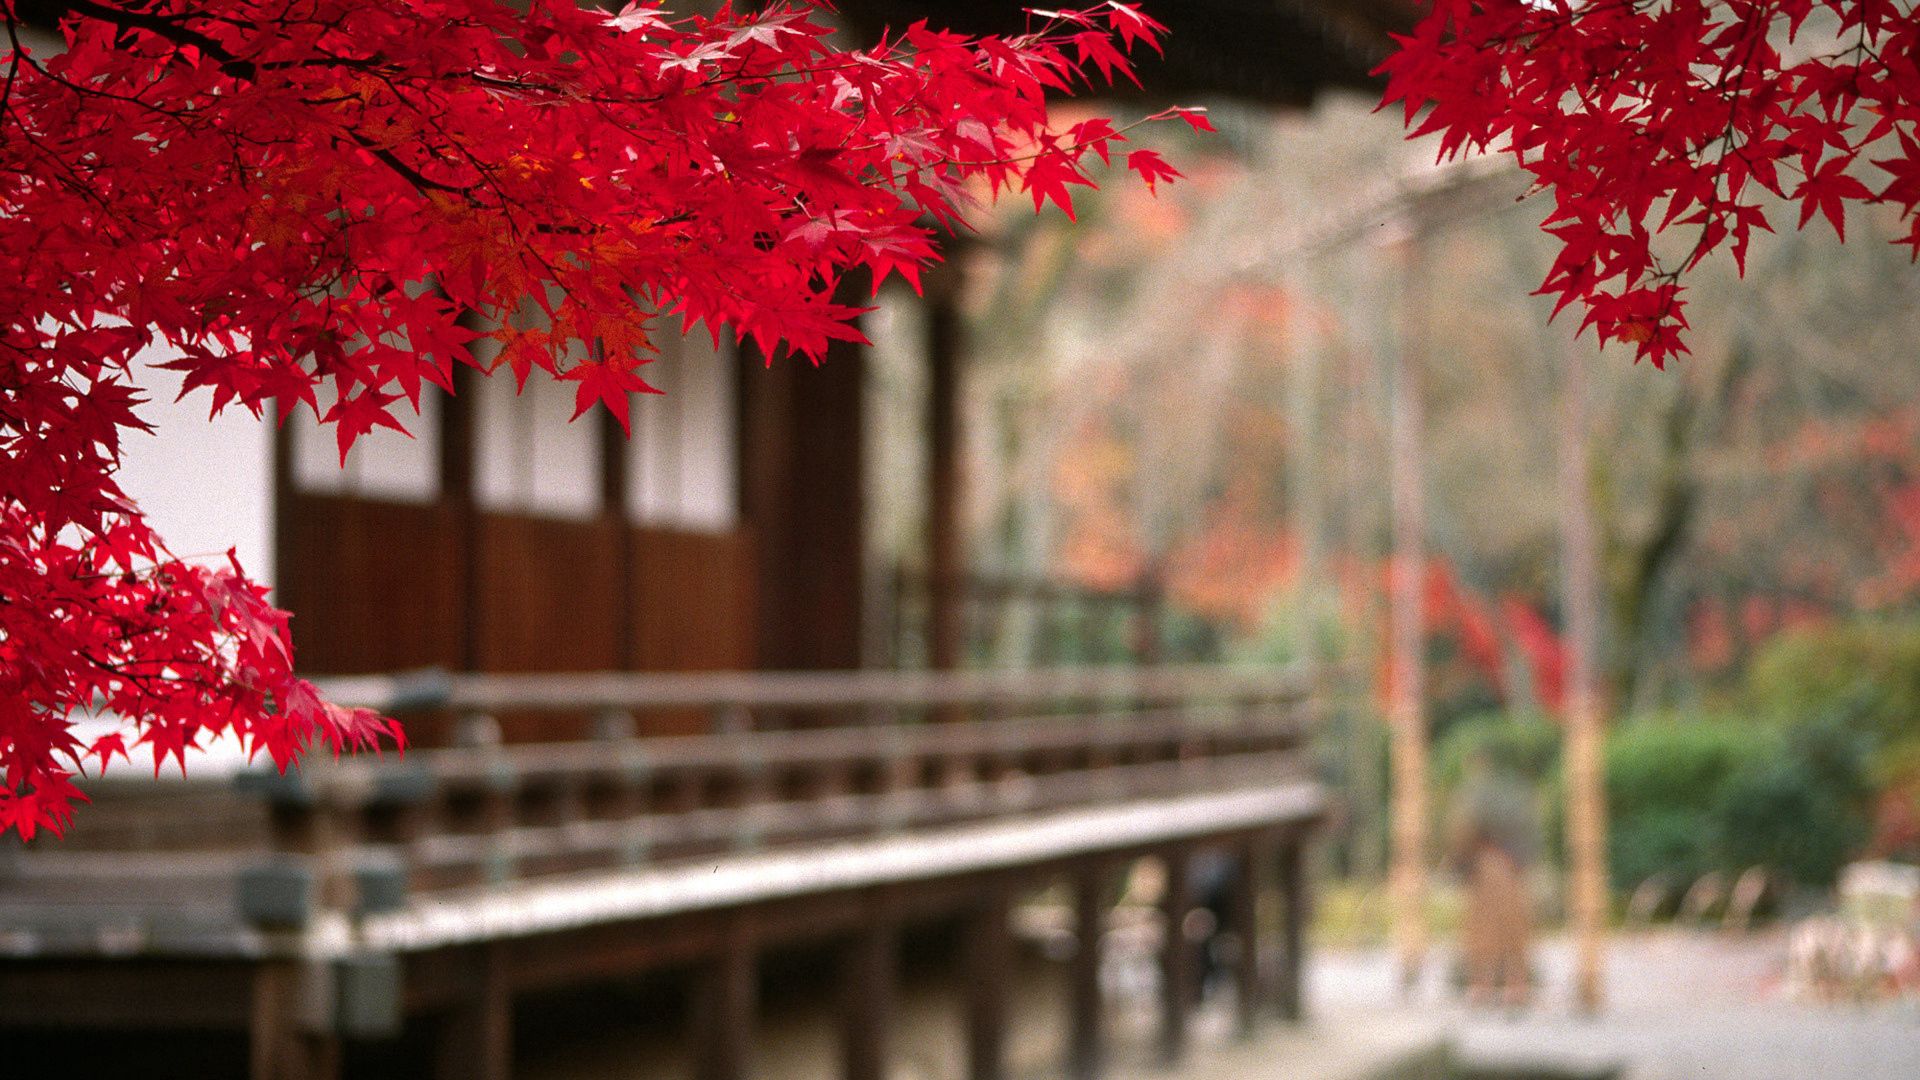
column 694, row 601
column 373, row 586
column 547, row 594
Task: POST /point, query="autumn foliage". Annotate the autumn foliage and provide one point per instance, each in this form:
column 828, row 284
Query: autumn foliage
column 332, row 202
column 1664, row 130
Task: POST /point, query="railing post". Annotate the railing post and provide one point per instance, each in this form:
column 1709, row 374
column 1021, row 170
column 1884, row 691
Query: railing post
column 868, row 984
column 753, row 789
column 1177, row 968
column 1250, row 982
column 988, row 974
column 1086, row 1050
column 1289, row 1001
column 475, row 1040
column 397, row 809
column 725, row 989
column 630, row 772
column 286, row 1039
column 501, row 789
column 301, row 874
column 898, row 778
column 291, row 1026
column 732, row 718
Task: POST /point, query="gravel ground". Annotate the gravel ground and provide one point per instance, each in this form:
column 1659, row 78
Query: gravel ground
column 1681, row 1006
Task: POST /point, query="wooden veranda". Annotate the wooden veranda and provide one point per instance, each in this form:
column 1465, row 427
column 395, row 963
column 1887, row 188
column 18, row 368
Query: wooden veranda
column 357, row 898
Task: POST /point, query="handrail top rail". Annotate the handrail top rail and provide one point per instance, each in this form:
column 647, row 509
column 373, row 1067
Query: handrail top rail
column 616, row 690
column 757, row 748
column 410, row 778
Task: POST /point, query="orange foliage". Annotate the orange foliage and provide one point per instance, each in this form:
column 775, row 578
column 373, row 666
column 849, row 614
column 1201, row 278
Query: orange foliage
column 1234, row 568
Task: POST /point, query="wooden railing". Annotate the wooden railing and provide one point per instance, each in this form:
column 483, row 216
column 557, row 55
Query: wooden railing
column 883, row 754
column 1031, row 621
column 346, row 899
column 791, row 759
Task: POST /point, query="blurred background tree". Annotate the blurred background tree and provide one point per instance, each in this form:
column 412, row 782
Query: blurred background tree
column 1190, row 392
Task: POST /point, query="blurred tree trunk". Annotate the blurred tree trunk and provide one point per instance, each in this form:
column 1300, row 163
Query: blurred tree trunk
column 1639, row 568
column 1360, row 505
column 1586, row 796
column 1406, row 713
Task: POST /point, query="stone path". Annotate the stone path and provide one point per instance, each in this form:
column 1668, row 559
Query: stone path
column 1682, row 1006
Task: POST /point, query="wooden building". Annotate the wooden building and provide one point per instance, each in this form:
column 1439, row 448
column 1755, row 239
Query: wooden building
column 703, row 579
column 728, row 533
column 725, row 534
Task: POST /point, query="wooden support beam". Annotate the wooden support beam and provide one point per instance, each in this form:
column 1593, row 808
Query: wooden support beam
column 946, row 632
column 1249, row 972
column 613, row 445
column 1178, row 970
column 281, row 1042
column 726, row 991
column 127, row 992
column 459, row 452
column 1288, row 998
column 869, row 988
column 793, row 412
column 475, row 1037
column 988, row 974
column 1086, row 1051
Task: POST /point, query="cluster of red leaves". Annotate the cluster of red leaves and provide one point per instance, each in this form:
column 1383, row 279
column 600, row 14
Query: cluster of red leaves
column 1480, row 631
column 1643, row 116
column 287, row 197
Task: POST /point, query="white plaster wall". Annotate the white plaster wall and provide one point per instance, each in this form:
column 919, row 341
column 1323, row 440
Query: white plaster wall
column 383, row 464
column 530, row 459
column 204, row 485
column 682, row 460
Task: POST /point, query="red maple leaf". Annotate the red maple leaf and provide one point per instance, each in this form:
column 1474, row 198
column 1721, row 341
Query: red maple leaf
column 282, row 201
column 1622, row 110
column 1151, row 167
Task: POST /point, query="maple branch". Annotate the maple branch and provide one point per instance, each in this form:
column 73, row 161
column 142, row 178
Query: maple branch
column 243, row 70
column 13, row 60
column 173, row 30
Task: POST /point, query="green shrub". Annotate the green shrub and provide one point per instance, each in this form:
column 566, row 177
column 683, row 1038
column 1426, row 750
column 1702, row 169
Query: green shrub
column 1659, row 841
column 1526, row 746
column 1665, row 778
column 1775, row 812
column 1864, row 675
column 1689, row 795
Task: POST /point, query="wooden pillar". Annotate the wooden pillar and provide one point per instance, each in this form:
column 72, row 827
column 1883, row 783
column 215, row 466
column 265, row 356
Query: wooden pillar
column 1086, row 1050
column 475, row 1040
column 946, row 628
column 988, row 976
column 280, row 1046
column 802, row 496
column 726, row 988
column 1249, row 972
column 291, row 1019
column 1288, row 996
column 1586, row 787
column 1406, row 713
column 1177, row 968
column 614, row 510
column 459, row 449
column 283, row 495
column 868, row 988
